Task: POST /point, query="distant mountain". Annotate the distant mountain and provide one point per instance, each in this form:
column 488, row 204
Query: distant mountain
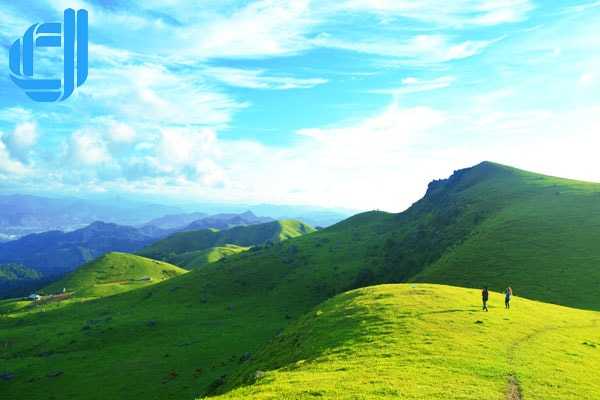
column 255, row 325
column 191, row 249
column 175, row 221
column 24, row 214
column 313, row 216
column 226, row 221
column 111, row 274
column 55, row 252
column 17, row 280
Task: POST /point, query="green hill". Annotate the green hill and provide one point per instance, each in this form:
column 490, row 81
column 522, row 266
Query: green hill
column 113, row 273
column 199, row 258
column 178, row 248
column 427, row 342
column 198, row 333
column 18, row 280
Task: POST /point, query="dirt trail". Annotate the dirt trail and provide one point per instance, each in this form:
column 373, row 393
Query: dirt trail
column 514, row 390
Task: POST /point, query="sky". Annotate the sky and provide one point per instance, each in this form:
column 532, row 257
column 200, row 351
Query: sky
column 353, row 104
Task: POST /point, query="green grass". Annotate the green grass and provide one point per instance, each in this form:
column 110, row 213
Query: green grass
column 489, row 225
column 426, row 342
column 113, row 273
column 543, row 241
column 177, row 248
column 18, row 280
column 199, row 258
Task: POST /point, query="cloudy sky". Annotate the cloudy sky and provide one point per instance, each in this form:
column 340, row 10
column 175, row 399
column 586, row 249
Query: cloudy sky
column 348, row 103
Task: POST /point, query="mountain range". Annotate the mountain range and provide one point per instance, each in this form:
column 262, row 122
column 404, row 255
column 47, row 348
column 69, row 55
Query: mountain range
column 25, row 214
column 55, row 253
column 196, row 248
column 361, row 307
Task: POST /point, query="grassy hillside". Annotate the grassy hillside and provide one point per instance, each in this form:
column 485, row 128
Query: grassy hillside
column 427, row 342
column 113, row 273
column 18, row 280
column 191, row 334
column 171, row 248
column 542, row 239
column 199, row 258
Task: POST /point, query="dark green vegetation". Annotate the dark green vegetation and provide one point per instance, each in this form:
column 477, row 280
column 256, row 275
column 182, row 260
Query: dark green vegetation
column 54, row 253
column 196, row 248
column 207, row 330
column 17, row 280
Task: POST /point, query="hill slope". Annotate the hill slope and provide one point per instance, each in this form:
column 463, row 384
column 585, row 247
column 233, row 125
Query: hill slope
column 177, row 248
column 56, row 252
column 18, row 280
column 541, row 237
column 114, row 273
column 181, row 336
column 427, row 342
column 199, row 258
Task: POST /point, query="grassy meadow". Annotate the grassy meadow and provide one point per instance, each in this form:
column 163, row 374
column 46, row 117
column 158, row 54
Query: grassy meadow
column 246, row 326
column 427, row 342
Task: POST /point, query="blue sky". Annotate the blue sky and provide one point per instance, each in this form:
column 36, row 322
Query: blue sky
column 353, row 103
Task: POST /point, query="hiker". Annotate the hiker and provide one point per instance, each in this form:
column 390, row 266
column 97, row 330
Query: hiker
column 485, row 295
column 507, row 296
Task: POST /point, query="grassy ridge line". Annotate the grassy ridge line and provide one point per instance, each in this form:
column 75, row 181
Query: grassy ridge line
column 543, row 242
column 199, row 258
column 170, row 248
column 426, row 342
column 209, row 318
column 114, row 273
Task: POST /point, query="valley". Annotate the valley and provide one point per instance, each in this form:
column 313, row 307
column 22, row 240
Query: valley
column 363, row 306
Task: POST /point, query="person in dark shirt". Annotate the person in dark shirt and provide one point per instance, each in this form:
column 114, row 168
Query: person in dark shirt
column 485, row 295
column 507, row 297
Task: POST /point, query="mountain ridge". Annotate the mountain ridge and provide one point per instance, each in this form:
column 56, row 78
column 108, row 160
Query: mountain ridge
column 215, row 320
column 177, row 247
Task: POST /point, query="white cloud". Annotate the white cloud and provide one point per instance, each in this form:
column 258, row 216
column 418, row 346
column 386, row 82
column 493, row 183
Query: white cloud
column 416, row 85
column 180, row 147
column 88, row 149
column 15, row 114
column 25, row 135
column 154, row 94
column 586, row 79
column 20, row 141
column 8, row 166
column 121, row 133
column 257, row 79
column 418, row 50
column 454, row 13
column 262, row 28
